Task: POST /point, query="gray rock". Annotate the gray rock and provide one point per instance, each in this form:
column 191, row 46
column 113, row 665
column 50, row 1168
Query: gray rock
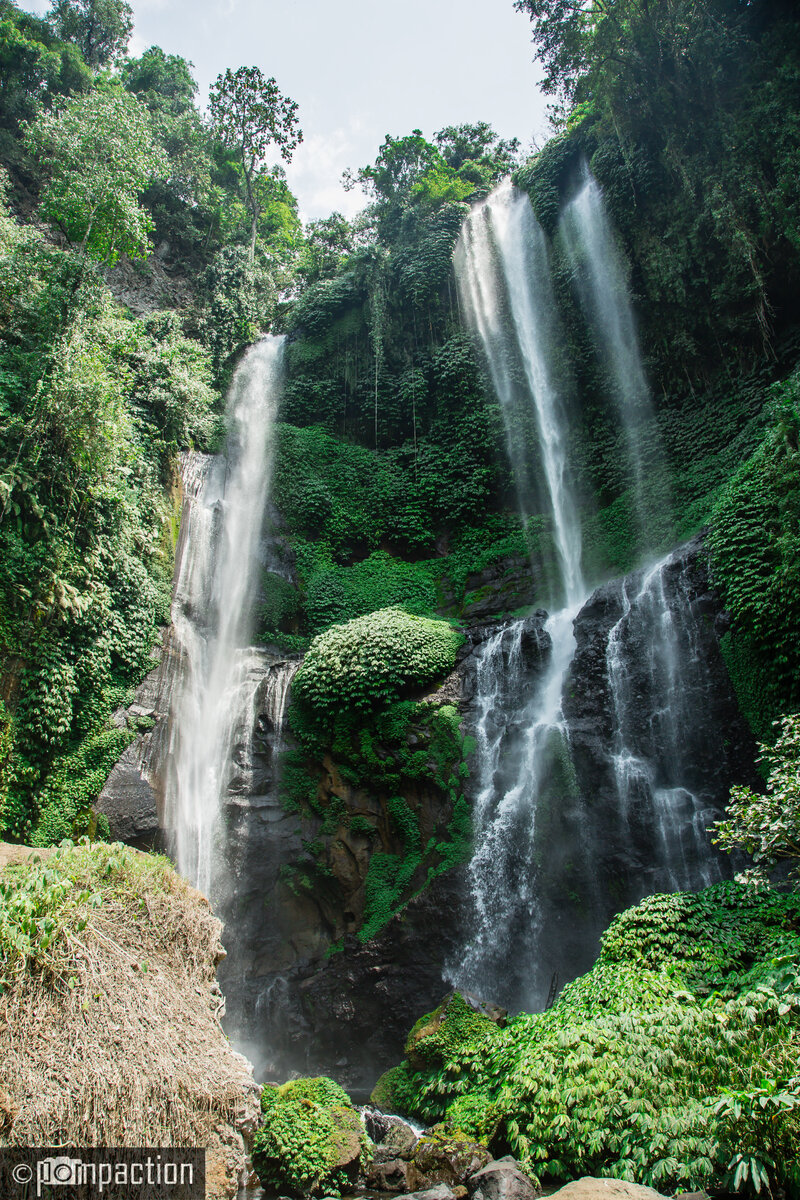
column 401, row 1138
column 129, row 801
column 390, row 1176
column 501, row 1179
column 605, row 1189
column 440, row 1192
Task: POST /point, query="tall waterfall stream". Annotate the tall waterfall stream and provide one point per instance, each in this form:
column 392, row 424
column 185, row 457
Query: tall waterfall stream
column 524, row 757
column 222, row 677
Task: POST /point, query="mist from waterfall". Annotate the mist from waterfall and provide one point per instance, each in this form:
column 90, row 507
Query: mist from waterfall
column 221, row 676
column 598, row 270
column 503, row 274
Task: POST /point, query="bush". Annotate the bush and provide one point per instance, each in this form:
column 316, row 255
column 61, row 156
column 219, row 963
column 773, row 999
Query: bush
column 311, row 1139
column 369, row 661
column 634, row 1073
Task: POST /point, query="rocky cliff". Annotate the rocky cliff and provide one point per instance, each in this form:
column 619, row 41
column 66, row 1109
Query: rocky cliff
column 311, row 984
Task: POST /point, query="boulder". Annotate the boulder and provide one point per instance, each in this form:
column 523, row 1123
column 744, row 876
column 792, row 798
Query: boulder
column 393, row 1137
column 605, row 1189
column 501, row 1179
column 450, row 1160
column 457, row 1008
column 441, row 1192
column 393, row 1175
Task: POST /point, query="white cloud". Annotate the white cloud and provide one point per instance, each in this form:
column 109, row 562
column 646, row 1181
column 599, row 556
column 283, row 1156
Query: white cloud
column 315, row 172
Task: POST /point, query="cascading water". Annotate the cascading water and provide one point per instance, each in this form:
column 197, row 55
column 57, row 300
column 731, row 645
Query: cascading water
column 656, row 677
column 554, row 841
column 588, row 239
column 220, row 676
column 503, row 276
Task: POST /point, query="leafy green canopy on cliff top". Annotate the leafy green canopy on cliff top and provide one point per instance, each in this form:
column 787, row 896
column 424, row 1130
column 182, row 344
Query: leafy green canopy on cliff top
column 370, row 660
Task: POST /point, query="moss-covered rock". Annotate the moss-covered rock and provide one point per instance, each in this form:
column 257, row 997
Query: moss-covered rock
column 370, row 660
column 458, row 1018
column 449, row 1158
column 311, row 1139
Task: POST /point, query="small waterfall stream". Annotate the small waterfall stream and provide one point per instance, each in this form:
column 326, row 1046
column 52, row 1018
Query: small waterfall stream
column 588, row 238
column 656, row 675
column 221, row 677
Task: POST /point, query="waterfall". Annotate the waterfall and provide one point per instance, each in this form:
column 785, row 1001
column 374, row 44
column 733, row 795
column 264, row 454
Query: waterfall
column 588, row 239
column 503, row 275
column 657, row 676
column 572, row 802
column 221, row 676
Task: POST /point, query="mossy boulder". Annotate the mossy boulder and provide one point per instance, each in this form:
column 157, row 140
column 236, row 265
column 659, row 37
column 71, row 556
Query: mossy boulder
column 458, row 1018
column 371, row 661
column 449, row 1158
column 311, row 1140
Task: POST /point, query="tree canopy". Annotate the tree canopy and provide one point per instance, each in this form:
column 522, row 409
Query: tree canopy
column 100, row 28
column 98, row 156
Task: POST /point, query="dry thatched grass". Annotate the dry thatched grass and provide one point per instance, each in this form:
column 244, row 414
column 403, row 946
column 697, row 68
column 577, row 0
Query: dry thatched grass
column 109, row 1035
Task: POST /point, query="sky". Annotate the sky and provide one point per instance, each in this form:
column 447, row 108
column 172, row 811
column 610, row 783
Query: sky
column 359, row 69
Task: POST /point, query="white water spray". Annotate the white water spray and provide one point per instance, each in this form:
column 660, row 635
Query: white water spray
column 212, row 609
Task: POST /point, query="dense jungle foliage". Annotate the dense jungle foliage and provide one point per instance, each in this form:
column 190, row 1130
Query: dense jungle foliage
column 143, row 245
column 670, row 1064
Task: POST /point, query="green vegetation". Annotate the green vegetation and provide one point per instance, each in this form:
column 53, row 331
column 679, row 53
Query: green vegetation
column 97, row 156
column 248, row 114
column 755, row 548
column 651, row 1068
column 767, row 826
column 397, row 754
column 96, row 401
column 44, row 900
column 83, row 531
column 371, row 660
column 311, row 1141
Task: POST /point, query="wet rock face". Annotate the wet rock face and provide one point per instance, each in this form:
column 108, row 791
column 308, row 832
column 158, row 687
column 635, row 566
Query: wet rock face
column 350, row 1013
column 655, row 731
column 502, row 587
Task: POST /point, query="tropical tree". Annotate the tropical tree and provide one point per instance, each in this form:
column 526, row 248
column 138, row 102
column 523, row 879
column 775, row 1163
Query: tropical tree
column 98, row 155
column 100, row 28
column 767, row 826
column 249, row 114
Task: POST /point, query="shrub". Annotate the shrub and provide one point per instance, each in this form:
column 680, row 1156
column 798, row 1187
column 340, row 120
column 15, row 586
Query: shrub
column 633, row 1074
column 369, row 661
column 311, row 1139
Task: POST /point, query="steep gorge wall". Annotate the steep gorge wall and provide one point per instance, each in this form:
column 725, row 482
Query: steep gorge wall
column 305, row 991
